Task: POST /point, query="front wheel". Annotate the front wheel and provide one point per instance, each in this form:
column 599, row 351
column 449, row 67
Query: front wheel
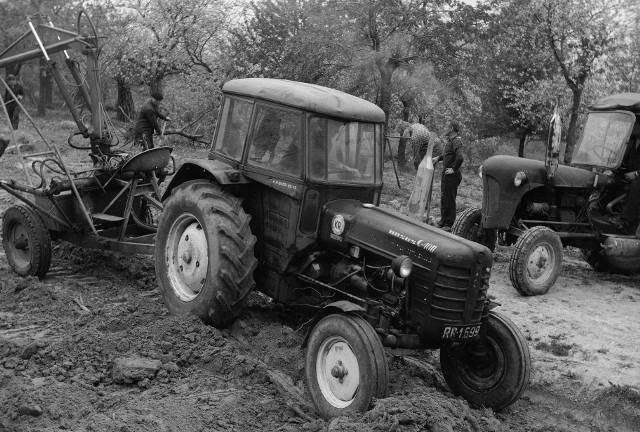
column 204, row 254
column 468, row 225
column 346, row 366
column 492, row 372
column 26, row 241
column 536, row 260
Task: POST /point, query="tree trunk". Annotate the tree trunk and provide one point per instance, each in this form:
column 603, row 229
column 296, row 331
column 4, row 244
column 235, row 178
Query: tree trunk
column 573, row 124
column 125, row 106
column 524, row 135
column 402, row 142
column 42, row 94
column 156, row 84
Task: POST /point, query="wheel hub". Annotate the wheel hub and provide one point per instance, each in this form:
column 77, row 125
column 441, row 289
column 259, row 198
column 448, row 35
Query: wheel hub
column 540, row 263
column 21, row 242
column 188, row 257
column 337, row 372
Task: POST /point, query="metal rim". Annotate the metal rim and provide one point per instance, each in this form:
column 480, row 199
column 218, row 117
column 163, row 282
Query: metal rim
column 541, row 263
column 337, row 372
column 483, row 369
column 187, row 256
column 19, row 244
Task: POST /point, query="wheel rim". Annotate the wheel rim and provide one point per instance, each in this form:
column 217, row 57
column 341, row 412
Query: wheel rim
column 337, row 372
column 482, row 367
column 187, row 257
column 19, row 244
column 541, row 263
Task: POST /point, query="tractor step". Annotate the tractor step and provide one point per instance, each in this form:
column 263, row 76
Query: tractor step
column 102, row 217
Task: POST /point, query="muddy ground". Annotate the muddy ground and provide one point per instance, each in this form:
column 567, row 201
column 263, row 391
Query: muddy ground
column 63, row 340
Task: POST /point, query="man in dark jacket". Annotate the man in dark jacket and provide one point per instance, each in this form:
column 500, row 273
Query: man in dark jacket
column 451, row 177
column 147, row 121
column 12, row 106
column 628, row 220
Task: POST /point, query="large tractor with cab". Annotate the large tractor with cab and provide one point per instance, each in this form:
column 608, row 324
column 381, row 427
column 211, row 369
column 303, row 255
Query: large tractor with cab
column 288, row 197
column 542, row 207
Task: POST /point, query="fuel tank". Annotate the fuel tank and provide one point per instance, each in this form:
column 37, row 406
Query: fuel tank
column 450, row 275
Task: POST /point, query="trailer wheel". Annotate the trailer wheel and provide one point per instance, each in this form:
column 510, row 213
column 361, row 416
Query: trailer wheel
column 26, row 241
column 204, row 254
column 346, row 366
column 468, row 225
column 493, row 372
column 536, row 260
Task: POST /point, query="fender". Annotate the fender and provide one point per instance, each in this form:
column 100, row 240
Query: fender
column 342, row 306
column 214, row 170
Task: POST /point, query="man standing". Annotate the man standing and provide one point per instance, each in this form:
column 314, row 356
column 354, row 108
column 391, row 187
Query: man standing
column 12, row 106
column 147, row 121
column 451, row 177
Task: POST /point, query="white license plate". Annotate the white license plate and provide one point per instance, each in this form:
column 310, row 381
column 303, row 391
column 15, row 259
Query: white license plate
column 457, row 332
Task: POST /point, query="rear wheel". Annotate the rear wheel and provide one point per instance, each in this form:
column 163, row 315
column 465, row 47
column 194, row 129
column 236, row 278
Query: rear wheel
column 536, row 260
column 346, row 366
column 492, row 372
column 204, row 254
column 26, row 241
column 468, row 225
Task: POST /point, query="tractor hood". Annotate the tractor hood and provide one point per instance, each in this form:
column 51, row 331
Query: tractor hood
column 504, row 168
column 347, row 223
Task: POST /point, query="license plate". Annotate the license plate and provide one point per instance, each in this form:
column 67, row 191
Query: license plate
column 457, row 332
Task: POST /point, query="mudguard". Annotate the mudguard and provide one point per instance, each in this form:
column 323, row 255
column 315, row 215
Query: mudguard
column 343, row 306
column 214, row 170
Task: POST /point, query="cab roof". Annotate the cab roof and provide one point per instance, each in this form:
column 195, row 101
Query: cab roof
column 309, row 97
column 620, row 101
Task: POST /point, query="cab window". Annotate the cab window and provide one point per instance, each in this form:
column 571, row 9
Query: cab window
column 604, row 139
column 276, row 141
column 234, row 126
column 342, row 151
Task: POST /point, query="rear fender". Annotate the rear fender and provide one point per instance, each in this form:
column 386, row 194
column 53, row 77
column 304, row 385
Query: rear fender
column 342, row 306
column 212, row 170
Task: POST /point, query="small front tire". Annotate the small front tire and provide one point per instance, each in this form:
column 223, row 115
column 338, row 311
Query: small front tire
column 26, row 241
column 491, row 373
column 468, row 225
column 346, row 366
column 536, row 261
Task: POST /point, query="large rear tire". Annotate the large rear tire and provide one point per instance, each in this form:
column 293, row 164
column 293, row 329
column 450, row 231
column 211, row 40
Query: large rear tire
column 536, row 261
column 346, row 366
column 493, row 374
column 468, row 225
column 204, row 254
column 26, row 241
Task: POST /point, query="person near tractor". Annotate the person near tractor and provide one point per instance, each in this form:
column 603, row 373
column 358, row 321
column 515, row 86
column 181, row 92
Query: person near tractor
column 147, row 121
column 628, row 219
column 452, row 160
column 11, row 104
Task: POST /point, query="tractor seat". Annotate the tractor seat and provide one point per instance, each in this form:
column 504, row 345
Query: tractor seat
column 148, row 160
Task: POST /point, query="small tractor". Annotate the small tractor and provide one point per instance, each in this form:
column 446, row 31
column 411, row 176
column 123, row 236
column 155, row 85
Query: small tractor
column 289, row 197
column 541, row 207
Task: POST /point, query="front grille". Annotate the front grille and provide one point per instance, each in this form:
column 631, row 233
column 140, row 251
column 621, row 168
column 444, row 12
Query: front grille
column 455, row 295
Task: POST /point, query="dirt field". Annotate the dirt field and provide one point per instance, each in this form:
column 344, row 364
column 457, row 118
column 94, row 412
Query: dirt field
column 64, row 338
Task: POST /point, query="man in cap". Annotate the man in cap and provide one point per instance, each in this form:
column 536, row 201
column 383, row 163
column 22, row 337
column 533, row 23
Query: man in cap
column 12, row 106
column 147, row 121
column 451, row 177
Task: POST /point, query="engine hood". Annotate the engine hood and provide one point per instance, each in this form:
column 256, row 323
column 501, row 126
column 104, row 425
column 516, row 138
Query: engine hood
column 503, row 168
column 347, row 223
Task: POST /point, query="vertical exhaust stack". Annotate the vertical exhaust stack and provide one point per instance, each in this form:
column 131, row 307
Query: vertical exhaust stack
column 554, row 143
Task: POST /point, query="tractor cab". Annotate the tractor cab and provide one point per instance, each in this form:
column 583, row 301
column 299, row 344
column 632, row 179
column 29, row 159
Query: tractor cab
column 606, row 134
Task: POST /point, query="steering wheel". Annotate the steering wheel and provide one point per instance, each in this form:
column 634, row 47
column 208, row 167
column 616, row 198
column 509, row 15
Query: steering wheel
column 600, row 152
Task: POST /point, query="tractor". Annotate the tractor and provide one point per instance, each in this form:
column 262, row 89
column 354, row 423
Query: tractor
column 288, row 197
column 542, row 207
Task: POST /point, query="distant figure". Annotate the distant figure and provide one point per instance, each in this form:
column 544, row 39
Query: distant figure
column 452, row 159
column 12, row 106
column 147, row 121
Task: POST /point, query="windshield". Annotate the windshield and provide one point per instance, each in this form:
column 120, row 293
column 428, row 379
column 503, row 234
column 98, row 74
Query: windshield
column 234, row 126
column 343, row 151
column 604, row 139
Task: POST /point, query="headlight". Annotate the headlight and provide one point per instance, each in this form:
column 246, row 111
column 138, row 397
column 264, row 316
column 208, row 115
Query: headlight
column 402, row 266
column 519, row 179
column 480, row 171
